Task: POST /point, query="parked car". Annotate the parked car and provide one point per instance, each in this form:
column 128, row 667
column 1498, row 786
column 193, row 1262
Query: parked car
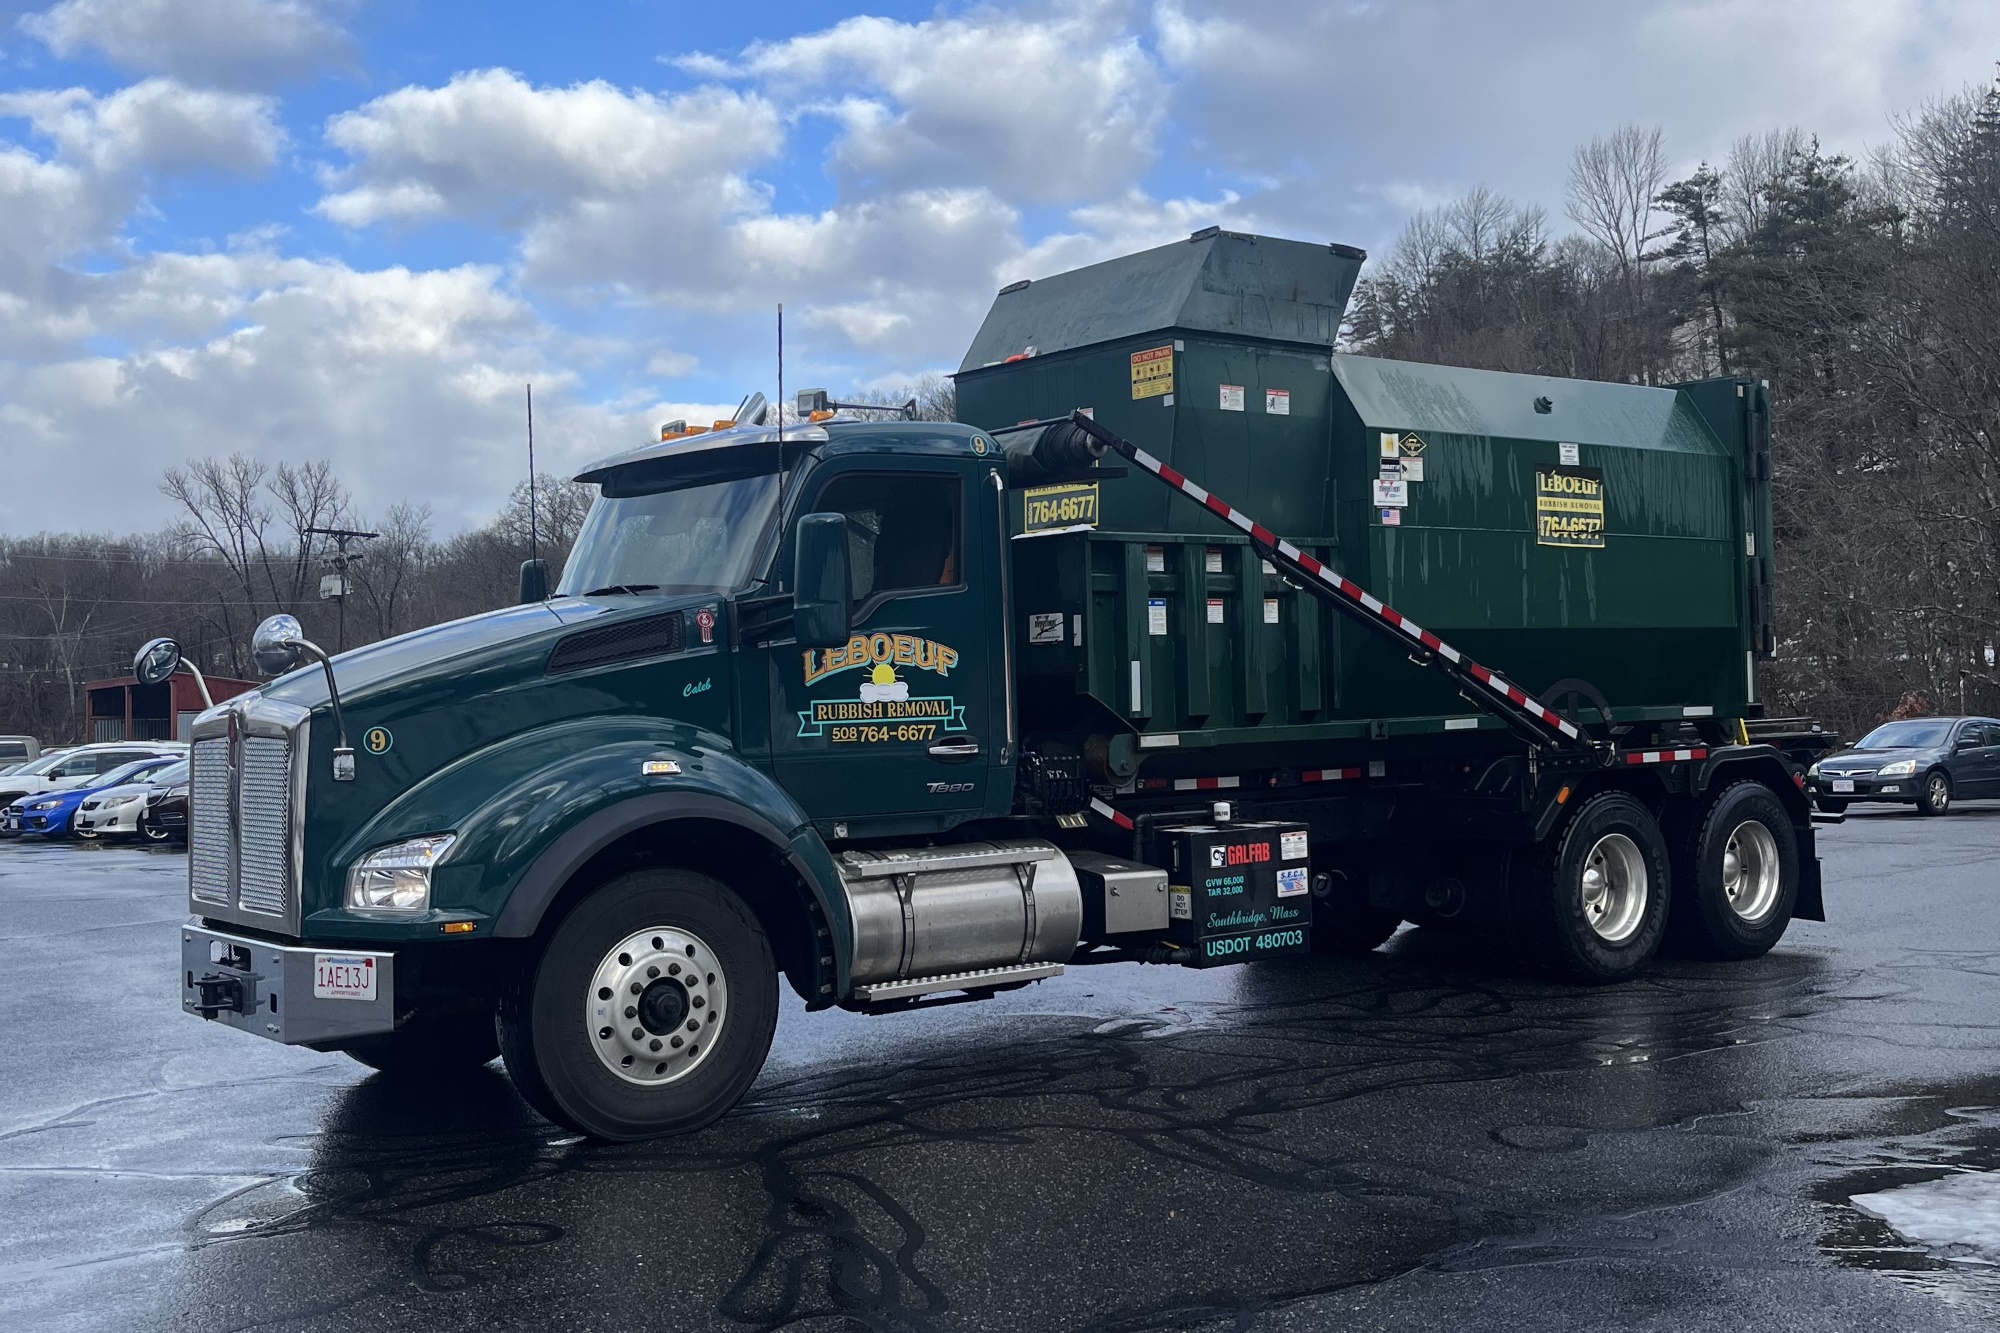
column 65, row 769
column 166, row 816
column 51, row 813
column 121, row 811
column 18, row 750
column 1928, row 762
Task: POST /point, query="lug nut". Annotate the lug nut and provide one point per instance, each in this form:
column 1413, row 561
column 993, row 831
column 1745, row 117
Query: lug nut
column 699, row 1002
column 654, row 1044
column 693, row 1026
column 635, row 988
column 638, row 1034
column 675, row 1043
column 674, row 968
column 652, row 972
column 631, row 1011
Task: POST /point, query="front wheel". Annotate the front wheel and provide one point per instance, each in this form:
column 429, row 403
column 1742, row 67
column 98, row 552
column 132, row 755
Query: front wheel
column 1934, row 797
column 1594, row 906
column 152, row 831
column 649, row 1012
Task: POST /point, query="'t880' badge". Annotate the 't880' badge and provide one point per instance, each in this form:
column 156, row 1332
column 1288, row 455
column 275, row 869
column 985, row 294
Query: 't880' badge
column 377, row 740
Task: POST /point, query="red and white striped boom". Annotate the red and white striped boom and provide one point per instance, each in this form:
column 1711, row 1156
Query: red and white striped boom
column 1482, row 685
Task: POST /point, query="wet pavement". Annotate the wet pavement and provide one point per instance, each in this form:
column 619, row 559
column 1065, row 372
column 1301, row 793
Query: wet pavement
column 1423, row 1138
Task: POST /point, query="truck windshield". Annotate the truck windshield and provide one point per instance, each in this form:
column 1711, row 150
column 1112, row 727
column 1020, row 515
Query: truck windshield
column 1906, row 735
column 692, row 540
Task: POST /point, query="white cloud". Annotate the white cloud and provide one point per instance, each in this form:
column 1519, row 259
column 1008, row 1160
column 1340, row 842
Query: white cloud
column 233, row 43
column 648, row 198
column 1036, row 107
column 410, row 381
column 488, row 144
column 155, row 126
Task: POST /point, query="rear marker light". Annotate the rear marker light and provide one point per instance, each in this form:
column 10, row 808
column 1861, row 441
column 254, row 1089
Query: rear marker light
column 459, row 927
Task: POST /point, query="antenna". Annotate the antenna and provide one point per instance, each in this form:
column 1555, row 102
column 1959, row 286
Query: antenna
column 781, row 412
column 534, row 552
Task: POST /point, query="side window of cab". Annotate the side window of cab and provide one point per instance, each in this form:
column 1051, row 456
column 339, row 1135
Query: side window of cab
column 903, row 531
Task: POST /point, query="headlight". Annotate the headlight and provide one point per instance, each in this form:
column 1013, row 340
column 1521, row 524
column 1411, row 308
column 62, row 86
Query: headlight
column 45, row 805
column 396, row 880
column 1902, row 768
column 1813, row 772
column 124, row 801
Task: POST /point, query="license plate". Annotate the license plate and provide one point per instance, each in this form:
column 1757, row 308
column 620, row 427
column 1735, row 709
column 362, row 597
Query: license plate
column 1843, row 784
column 343, row 976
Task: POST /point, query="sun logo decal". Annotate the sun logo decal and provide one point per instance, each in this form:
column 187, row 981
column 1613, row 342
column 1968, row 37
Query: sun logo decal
column 883, row 687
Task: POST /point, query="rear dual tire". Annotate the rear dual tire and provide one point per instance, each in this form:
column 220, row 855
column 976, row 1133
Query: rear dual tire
column 649, row 1012
column 1736, row 875
column 1593, row 906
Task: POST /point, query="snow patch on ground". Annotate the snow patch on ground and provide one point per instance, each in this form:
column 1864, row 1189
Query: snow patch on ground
column 1959, row 1213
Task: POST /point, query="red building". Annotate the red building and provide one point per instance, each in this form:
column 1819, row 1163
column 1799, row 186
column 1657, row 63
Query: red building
column 122, row 709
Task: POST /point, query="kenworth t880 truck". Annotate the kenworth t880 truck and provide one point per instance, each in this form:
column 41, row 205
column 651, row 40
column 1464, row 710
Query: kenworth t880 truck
column 1198, row 644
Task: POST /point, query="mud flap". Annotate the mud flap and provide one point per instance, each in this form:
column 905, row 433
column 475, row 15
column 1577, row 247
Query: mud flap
column 1809, row 905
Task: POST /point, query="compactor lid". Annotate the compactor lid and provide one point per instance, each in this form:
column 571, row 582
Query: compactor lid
column 1216, row 281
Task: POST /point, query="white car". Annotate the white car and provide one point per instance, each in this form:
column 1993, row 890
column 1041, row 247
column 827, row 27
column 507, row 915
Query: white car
column 119, row 811
column 74, row 768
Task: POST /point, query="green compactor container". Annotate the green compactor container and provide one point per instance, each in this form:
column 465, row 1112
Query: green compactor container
column 1596, row 543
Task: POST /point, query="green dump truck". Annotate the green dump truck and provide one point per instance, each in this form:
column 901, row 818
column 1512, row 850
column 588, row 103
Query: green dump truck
column 1199, row 643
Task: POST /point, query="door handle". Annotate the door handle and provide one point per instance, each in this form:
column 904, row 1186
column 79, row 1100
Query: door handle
column 955, row 751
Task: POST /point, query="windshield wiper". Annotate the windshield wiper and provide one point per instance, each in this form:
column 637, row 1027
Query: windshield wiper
column 623, row 588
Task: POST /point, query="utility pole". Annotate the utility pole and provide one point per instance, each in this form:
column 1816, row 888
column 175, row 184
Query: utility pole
column 335, row 585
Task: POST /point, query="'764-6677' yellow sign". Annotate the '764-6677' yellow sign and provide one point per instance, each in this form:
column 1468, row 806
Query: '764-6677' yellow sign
column 1569, row 507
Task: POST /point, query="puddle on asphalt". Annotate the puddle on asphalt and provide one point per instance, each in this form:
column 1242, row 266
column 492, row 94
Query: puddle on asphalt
column 1925, row 1209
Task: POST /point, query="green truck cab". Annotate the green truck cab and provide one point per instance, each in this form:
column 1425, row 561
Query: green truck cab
column 912, row 712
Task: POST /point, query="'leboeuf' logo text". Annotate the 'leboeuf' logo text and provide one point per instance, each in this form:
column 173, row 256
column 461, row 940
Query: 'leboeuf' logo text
column 869, row 650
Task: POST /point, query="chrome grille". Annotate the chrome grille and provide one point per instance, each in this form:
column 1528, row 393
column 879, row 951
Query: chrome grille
column 246, row 793
column 208, row 822
column 264, row 857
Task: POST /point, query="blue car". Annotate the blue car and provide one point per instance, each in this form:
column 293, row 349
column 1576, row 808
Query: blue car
column 50, row 813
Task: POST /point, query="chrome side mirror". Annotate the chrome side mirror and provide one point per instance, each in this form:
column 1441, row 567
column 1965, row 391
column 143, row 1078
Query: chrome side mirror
column 278, row 644
column 159, row 659
column 156, row 661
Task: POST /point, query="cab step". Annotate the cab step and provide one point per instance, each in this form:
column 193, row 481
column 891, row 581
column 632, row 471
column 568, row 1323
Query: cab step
column 985, row 978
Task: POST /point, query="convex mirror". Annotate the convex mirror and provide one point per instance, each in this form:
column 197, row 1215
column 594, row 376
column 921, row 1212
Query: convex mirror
column 156, row 661
column 276, row 645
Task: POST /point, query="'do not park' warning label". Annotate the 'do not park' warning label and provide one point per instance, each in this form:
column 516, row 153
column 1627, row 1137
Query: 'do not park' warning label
column 1569, row 507
column 1153, row 372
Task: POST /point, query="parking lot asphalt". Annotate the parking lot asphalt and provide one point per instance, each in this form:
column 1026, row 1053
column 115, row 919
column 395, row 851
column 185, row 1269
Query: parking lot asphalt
column 1423, row 1138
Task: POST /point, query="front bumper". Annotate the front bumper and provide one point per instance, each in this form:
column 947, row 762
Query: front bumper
column 116, row 819
column 269, row 989
column 1902, row 790
column 54, row 823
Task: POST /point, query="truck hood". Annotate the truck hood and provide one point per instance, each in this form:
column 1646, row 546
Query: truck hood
column 513, row 640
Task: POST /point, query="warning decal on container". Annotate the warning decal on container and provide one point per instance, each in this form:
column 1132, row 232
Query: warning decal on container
column 1153, row 372
column 1569, row 507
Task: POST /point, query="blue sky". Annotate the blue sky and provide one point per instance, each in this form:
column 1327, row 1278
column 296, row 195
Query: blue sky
column 351, row 229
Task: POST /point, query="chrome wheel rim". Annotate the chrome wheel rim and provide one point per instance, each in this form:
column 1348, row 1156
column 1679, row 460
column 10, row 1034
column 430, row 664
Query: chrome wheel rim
column 657, row 1004
column 1614, row 888
column 1750, row 871
column 1940, row 792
